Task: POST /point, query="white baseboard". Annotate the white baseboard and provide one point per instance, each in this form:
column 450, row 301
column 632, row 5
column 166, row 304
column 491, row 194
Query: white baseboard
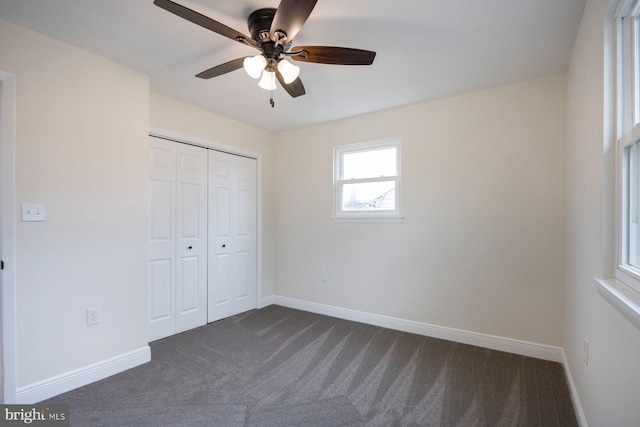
column 266, row 301
column 524, row 348
column 62, row 383
column 573, row 390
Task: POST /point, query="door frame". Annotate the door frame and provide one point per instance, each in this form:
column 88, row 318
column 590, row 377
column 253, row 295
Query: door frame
column 185, row 139
column 8, row 333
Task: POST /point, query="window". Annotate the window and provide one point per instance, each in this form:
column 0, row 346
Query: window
column 366, row 182
column 623, row 291
column 628, row 251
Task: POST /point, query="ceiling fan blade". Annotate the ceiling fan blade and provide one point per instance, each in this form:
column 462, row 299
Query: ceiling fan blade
column 295, row 88
column 291, row 16
column 204, row 21
column 334, row 55
column 221, row 69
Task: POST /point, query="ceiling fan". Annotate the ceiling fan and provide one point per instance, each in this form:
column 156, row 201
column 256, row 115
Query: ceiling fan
column 272, row 32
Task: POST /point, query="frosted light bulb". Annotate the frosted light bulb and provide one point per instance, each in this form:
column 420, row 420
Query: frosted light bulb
column 268, row 80
column 254, row 65
column 289, row 71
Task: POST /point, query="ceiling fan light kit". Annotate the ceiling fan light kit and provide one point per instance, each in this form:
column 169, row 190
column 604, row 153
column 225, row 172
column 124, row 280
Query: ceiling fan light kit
column 272, row 32
column 254, row 65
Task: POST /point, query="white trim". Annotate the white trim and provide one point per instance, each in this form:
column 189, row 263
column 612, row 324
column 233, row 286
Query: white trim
column 573, row 391
column 623, row 298
column 8, row 206
column 625, row 272
column 62, row 383
column 368, row 219
column 340, row 215
column 174, row 136
column 524, row 348
column 628, row 133
column 192, row 140
column 626, row 7
column 623, row 291
column 266, row 301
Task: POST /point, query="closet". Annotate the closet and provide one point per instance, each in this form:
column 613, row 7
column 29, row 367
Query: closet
column 202, row 236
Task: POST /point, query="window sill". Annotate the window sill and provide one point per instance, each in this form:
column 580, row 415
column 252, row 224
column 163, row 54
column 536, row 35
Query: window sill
column 389, row 219
column 623, row 298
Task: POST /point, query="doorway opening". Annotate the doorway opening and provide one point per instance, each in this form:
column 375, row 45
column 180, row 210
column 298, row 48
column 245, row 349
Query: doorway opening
column 8, row 372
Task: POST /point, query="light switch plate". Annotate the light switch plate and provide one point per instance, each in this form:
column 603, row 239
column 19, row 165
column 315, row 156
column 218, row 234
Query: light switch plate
column 33, row 212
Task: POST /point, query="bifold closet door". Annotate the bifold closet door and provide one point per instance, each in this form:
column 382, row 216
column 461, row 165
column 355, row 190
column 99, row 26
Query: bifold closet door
column 177, row 238
column 232, row 235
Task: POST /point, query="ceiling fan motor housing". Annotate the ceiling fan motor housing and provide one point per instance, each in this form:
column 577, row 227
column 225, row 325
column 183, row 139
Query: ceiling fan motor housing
column 260, row 24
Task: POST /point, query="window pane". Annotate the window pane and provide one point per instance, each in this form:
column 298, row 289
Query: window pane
column 376, row 196
column 369, row 164
column 633, row 226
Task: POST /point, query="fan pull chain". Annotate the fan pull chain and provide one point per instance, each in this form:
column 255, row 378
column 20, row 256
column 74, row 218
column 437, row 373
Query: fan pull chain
column 273, row 104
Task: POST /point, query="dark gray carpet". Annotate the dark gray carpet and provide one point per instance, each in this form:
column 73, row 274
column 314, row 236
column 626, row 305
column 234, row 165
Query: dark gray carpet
column 283, row 367
column 184, row 415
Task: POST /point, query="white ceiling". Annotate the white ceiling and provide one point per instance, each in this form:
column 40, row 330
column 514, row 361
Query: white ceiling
column 426, row 49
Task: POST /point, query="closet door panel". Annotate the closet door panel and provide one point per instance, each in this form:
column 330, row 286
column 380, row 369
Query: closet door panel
column 245, row 234
column 191, row 242
column 232, row 235
column 220, row 236
column 162, row 244
column 177, row 237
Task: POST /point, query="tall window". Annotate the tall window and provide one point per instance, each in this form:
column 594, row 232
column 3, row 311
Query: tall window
column 628, row 27
column 367, row 181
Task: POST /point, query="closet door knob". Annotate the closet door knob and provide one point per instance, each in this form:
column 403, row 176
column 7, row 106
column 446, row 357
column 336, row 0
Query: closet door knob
column 224, row 246
column 190, row 247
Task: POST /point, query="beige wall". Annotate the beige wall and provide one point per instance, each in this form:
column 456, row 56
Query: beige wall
column 481, row 247
column 610, row 385
column 175, row 116
column 81, row 149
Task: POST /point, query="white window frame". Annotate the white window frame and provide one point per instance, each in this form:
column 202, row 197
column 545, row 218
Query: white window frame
column 340, row 215
column 623, row 291
column 628, row 34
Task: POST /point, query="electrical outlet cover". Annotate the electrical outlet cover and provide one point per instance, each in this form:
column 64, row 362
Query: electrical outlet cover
column 93, row 316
